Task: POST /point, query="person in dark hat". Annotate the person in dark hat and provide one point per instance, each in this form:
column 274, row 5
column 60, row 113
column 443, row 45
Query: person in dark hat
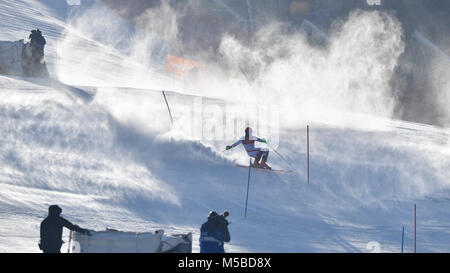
column 52, row 228
column 214, row 233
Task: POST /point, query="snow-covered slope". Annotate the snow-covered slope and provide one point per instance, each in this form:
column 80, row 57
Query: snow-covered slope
column 109, row 158
column 69, row 52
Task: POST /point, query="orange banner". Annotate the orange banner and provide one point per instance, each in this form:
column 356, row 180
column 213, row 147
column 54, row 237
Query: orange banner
column 299, row 7
column 179, row 65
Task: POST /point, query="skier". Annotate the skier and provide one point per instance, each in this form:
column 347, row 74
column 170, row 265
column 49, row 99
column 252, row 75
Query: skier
column 249, row 144
column 51, row 230
column 214, row 233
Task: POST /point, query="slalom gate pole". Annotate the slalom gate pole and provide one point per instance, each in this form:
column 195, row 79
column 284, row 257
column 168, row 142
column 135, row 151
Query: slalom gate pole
column 307, row 150
column 403, row 236
column 279, row 154
column 415, row 245
column 248, row 187
column 168, row 108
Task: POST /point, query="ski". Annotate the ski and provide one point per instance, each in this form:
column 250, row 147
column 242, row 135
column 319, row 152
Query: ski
column 264, row 169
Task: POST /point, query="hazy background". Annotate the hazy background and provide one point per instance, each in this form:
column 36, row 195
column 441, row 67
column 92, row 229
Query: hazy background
column 412, row 85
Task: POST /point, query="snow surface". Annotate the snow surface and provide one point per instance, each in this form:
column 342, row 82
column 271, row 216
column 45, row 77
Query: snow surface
column 108, row 156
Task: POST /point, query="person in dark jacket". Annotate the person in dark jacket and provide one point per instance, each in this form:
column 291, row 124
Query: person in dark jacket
column 214, row 233
column 33, row 61
column 37, row 40
column 52, row 228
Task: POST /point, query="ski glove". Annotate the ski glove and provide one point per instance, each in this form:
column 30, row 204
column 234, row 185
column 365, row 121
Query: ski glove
column 227, row 148
column 263, row 140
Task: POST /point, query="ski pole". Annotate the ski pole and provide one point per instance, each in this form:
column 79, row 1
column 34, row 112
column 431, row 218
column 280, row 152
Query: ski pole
column 279, row 154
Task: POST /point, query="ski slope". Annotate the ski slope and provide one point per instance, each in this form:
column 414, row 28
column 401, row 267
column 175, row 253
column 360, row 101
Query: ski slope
column 108, row 155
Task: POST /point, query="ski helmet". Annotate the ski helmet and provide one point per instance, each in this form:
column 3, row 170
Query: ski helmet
column 248, row 131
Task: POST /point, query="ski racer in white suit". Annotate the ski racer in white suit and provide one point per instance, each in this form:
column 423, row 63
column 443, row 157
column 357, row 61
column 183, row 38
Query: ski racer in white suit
column 249, row 144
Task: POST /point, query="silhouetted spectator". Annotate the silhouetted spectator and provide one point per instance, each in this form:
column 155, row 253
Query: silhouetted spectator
column 37, row 40
column 214, row 233
column 52, row 228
